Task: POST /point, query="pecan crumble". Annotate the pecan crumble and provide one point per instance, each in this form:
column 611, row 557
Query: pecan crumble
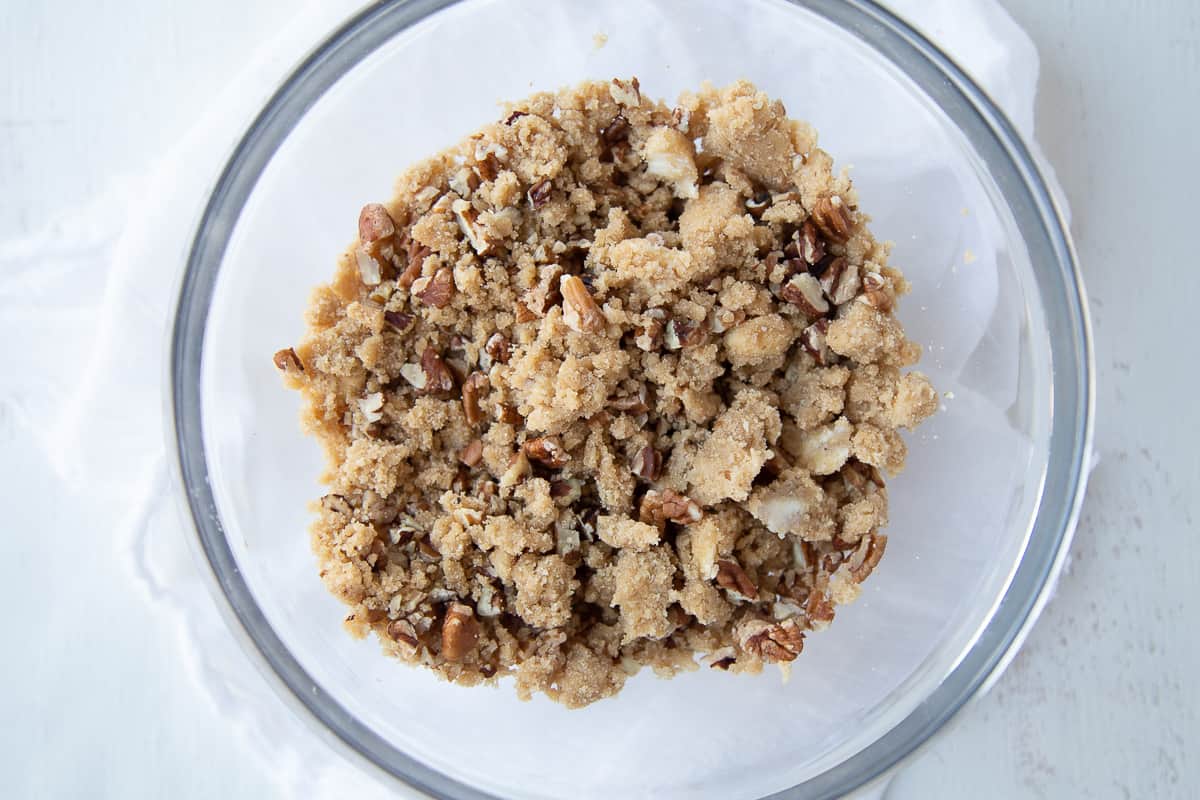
column 608, row 384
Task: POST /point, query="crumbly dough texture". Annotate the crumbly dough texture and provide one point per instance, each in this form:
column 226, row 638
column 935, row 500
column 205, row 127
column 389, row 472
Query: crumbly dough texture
column 609, row 384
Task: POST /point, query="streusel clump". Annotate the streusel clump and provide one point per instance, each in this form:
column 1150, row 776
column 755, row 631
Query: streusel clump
column 608, row 384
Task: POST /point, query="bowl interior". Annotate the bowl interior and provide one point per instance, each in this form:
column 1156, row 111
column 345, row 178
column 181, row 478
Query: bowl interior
column 961, row 512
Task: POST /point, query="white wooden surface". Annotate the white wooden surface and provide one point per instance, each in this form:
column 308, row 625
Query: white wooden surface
column 1101, row 703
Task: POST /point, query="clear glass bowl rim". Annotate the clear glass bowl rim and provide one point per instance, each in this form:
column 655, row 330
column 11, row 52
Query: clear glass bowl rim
column 1037, row 217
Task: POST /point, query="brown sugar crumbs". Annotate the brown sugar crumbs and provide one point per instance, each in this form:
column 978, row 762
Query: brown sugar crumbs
column 608, row 384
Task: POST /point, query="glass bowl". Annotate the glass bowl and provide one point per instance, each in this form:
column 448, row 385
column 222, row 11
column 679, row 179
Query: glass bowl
column 980, row 519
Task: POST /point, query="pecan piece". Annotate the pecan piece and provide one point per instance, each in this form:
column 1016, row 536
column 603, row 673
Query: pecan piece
column 415, row 252
column 398, row 320
column 471, row 388
column 509, row 414
column 864, row 560
column 638, row 403
column 757, row 204
column 497, row 348
column 375, row 223
column 680, row 333
column 626, row 93
column 460, row 632
column 514, row 116
column 806, row 244
column 468, row 218
column 369, row 269
column 438, row 378
column 772, row 641
column 803, row 290
column 436, row 291
column 616, row 131
column 402, row 630
column 472, row 454
column 648, row 336
column 647, row 463
column 813, row 340
column 840, row 281
column 580, row 311
column 372, row 407
column 377, row 555
column 833, row 218
column 733, row 578
column 523, row 314
column 659, row 508
column 287, row 360
column 819, row 609
column 539, row 193
column 875, row 293
column 546, row 450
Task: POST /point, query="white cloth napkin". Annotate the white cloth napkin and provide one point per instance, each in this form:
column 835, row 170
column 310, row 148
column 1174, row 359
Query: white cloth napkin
column 121, row 258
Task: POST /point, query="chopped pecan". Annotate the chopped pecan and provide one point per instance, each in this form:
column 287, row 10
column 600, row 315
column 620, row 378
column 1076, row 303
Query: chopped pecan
column 518, row 470
column 468, row 219
column 398, row 319
column 415, row 252
column 471, row 388
column 415, row 375
column 287, row 360
column 460, row 632
column 372, row 407
column 819, row 609
column 509, row 414
column 539, row 193
column 803, row 290
column 771, row 641
column 863, row 560
column 861, row 476
column 563, row 488
column 464, row 182
column 637, row 403
column 369, row 268
column 757, row 204
column 833, row 218
column 648, row 336
column 626, row 93
column 401, row 630
column 840, row 281
column 427, row 551
column 437, row 290
column 403, row 531
column 540, row 298
column 375, row 223
column 732, row 577
column 488, row 167
column 647, row 463
column 580, row 311
column 546, row 450
column 681, row 119
column 523, row 314
column 491, row 602
column 659, row 508
column 377, row 556
column 514, row 116
column 616, row 131
column 680, row 333
column 438, row 378
column 472, row 454
column 806, row 244
column 809, row 244
column 497, row 348
column 813, row 340
column 875, row 293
